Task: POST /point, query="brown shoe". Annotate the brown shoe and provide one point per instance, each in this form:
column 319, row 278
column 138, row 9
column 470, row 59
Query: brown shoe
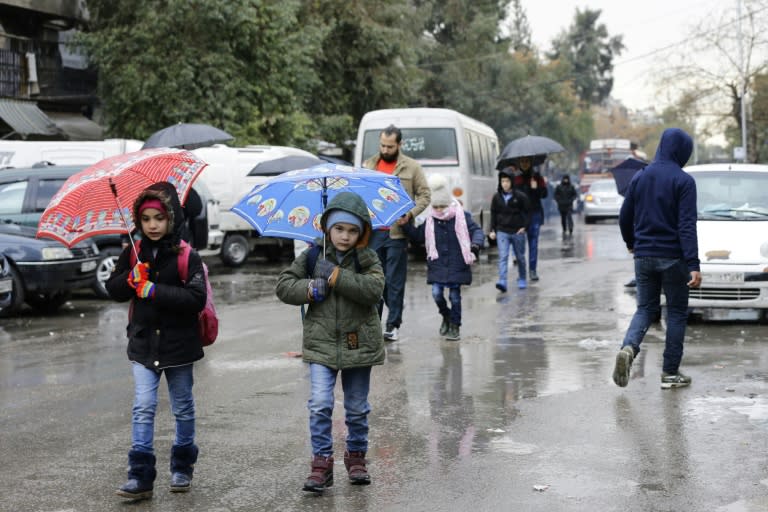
column 321, row 476
column 355, row 464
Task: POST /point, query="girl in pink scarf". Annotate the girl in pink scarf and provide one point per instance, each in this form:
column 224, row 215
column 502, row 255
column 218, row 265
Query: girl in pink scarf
column 453, row 241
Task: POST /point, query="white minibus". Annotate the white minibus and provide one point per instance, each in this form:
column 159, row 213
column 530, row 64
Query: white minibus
column 442, row 141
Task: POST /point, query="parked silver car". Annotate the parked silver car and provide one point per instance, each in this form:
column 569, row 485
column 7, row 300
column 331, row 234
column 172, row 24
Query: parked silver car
column 602, row 201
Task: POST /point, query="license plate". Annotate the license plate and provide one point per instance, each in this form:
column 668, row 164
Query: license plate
column 6, row 285
column 87, row 266
column 722, row 277
column 735, row 314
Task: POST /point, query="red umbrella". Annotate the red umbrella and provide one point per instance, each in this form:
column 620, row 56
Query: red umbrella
column 98, row 199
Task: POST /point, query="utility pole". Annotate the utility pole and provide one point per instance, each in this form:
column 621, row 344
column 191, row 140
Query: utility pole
column 743, row 89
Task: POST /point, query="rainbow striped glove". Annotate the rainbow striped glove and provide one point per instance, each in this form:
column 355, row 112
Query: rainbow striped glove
column 145, row 289
column 139, row 274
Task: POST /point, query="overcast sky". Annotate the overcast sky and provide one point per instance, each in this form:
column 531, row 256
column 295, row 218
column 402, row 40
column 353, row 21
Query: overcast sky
column 647, row 28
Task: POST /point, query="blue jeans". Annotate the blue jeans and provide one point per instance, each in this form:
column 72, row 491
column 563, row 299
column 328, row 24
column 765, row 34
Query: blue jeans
column 654, row 275
column 394, row 259
column 355, row 382
column 453, row 314
column 180, row 380
column 504, row 241
column 537, row 217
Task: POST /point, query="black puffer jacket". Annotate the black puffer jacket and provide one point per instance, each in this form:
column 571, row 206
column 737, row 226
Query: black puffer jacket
column 162, row 330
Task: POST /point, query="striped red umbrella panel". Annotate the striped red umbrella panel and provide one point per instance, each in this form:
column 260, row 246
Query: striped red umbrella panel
column 86, row 205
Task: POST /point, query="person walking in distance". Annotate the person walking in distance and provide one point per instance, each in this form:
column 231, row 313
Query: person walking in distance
column 565, row 195
column 391, row 243
column 509, row 221
column 534, row 186
column 342, row 332
column 453, row 241
column 658, row 224
column 163, row 337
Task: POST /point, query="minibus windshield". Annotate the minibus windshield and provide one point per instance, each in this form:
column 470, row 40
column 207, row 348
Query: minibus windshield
column 432, row 147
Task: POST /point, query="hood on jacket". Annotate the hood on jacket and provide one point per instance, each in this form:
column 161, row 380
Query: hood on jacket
column 166, row 193
column 354, row 204
column 507, row 172
column 675, row 145
column 566, row 177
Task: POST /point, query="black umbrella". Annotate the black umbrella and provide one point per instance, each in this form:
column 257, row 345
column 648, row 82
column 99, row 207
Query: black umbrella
column 284, row 164
column 187, row 136
column 623, row 173
column 533, row 146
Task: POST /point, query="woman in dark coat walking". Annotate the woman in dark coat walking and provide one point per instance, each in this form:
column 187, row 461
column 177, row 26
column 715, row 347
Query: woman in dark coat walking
column 453, row 241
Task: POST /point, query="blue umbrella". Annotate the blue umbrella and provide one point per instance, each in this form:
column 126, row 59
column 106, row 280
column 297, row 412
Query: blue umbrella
column 624, row 172
column 290, row 205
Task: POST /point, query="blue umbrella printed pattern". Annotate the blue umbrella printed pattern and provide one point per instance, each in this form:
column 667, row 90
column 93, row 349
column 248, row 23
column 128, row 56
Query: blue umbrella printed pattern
column 290, row 205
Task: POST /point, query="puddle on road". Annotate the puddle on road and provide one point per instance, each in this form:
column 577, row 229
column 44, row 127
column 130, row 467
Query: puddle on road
column 714, row 409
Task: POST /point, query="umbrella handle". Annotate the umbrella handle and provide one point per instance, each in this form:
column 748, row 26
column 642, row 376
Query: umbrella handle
column 120, row 209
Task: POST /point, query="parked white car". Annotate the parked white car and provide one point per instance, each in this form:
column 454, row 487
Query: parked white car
column 732, row 202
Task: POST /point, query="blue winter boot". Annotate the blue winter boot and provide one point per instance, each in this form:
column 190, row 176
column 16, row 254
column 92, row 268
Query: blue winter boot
column 141, row 476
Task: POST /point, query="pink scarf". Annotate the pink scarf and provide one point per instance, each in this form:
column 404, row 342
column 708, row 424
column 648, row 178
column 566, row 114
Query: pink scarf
column 462, row 233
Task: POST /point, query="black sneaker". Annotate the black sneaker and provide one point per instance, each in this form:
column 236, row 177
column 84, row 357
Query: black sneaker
column 533, row 275
column 454, row 333
column 674, row 380
column 444, row 326
column 623, row 364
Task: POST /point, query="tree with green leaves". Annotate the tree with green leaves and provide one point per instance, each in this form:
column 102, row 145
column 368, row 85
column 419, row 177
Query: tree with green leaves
column 364, row 61
column 240, row 65
column 589, row 50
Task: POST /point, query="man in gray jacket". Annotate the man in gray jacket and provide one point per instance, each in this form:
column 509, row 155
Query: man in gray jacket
column 391, row 243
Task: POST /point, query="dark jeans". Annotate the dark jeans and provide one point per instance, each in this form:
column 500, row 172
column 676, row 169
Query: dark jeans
column 654, row 275
column 537, row 218
column 566, row 220
column 453, row 314
column 394, row 258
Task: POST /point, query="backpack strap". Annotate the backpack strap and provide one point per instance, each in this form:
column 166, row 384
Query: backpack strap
column 312, row 255
column 183, row 261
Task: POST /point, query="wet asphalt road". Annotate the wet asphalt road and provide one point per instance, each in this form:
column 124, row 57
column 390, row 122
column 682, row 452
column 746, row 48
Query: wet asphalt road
column 523, row 402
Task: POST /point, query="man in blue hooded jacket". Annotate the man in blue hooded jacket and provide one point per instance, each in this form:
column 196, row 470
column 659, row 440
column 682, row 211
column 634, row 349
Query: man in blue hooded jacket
column 658, row 224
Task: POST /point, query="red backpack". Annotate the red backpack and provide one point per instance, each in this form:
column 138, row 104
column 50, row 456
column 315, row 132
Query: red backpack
column 207, row 321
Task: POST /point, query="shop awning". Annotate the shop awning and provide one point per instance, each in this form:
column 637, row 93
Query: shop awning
column 25, row 118
column 76, row 126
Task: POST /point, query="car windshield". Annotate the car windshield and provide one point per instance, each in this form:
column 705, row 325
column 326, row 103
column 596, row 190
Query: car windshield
column 430, row 146
column 731, row 195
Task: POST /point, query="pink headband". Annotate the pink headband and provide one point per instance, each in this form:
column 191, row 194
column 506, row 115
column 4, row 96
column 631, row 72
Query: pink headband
column 152, row 203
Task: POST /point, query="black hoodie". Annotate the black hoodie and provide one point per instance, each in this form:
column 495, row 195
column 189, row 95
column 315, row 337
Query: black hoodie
column 509, row 215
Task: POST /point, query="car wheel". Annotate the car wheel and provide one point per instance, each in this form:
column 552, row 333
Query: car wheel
column 589, row 220
column 234, row 250
column 48, row 302
column 104, row 269
column 17, row 295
